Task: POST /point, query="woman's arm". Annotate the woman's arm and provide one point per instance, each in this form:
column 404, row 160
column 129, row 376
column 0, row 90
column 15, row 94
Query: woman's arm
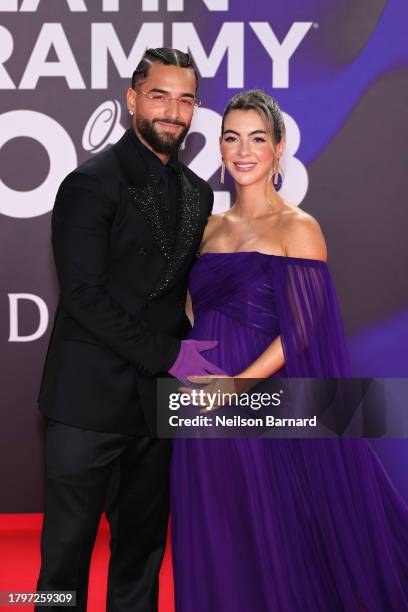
column 302, row 238
column 189, row 308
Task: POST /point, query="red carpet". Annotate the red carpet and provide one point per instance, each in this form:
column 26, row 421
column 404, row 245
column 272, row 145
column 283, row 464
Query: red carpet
column 20, row 560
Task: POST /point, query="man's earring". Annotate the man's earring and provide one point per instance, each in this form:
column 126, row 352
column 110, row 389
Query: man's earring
column 130, row 112
column 222, row 172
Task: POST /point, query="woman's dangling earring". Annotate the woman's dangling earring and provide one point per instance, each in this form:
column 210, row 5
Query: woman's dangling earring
column 222, row 172
column 131, row 112
column 277, row 178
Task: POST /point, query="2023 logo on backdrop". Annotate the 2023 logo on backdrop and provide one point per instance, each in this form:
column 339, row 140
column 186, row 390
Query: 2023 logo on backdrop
column 104, row 128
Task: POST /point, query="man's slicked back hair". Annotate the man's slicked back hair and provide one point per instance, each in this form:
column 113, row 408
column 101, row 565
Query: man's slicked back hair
column 165, row 56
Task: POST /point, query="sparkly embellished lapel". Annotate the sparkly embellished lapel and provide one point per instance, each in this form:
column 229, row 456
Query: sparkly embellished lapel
column 142, row 189
column 188, row 228
column 147, row 199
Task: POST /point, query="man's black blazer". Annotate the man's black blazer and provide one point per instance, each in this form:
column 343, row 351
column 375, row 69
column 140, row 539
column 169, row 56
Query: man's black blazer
column 121, row 313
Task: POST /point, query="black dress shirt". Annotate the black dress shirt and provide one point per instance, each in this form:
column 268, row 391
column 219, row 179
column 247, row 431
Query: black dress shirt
column 168, row 182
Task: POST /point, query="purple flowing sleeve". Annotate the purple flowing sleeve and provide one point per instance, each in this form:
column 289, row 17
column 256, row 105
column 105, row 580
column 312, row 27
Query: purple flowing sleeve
column 311, row 328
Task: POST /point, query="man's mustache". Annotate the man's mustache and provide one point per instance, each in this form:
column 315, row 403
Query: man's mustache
column 172, row 122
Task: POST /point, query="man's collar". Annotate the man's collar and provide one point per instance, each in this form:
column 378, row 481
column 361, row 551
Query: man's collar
column 174, row 162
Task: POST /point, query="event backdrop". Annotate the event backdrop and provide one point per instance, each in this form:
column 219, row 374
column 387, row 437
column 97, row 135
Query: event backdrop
column 339, row 69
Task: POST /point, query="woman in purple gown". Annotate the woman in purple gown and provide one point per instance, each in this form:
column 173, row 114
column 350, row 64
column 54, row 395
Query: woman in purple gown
column 277, row 525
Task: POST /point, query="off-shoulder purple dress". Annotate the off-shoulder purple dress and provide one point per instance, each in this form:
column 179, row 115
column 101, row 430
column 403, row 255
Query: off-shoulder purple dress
column 281, row 525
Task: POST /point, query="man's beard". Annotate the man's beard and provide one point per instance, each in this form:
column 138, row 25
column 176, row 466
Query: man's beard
column 162, row 142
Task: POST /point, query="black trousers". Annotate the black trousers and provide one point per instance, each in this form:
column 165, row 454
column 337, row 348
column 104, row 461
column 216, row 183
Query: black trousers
column 79, row 469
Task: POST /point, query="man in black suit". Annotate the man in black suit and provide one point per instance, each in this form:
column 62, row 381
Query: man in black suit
column 126, row 227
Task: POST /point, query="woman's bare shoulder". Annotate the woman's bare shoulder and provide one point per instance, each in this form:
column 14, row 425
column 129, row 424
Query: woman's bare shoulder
column 302, row 235
column 217, row 217
column 213, row 225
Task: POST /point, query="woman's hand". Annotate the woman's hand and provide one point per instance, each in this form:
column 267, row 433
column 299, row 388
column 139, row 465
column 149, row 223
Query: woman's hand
column 216, row 392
